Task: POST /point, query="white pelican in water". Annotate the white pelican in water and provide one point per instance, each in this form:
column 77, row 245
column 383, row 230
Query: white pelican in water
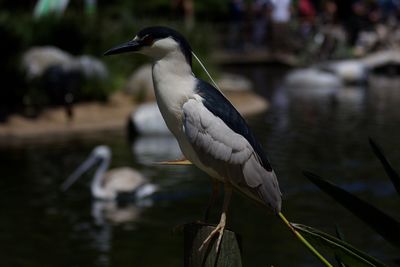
column 109, row 185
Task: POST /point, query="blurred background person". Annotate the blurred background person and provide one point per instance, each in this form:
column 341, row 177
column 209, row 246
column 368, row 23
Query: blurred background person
column 261, row 11
column 184, row 9
column 237, row 12
column 280, row 23
column 307, row 14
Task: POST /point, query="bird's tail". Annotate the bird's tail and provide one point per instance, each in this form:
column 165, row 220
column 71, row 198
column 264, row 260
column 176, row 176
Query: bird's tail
column 303, row 240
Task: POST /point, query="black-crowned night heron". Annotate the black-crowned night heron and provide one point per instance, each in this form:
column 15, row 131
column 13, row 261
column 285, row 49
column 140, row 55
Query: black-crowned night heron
column 210, row 131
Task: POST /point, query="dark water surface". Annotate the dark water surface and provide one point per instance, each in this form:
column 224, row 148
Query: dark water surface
column 322, row 130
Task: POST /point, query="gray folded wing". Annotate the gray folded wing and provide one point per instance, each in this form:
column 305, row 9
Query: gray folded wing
column 229, row 154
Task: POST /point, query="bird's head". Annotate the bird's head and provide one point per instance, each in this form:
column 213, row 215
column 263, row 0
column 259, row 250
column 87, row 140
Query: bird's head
column 156, row 42
column 101, row 152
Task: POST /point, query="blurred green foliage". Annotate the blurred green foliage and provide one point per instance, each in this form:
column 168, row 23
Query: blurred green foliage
column 77, row 34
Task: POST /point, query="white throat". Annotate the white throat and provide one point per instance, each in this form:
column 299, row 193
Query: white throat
column 173, row 84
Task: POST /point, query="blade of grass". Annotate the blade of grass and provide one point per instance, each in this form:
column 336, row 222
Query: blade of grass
column 393, row 175
column 382, row 223
column 347, row 253
column 304, row 241
column 340, row 236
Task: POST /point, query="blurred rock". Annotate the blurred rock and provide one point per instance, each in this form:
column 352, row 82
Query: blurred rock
column 140, row 84
column 351, row 71
column 234, row 82
column 37, row 60
column 383, row 62
column 312, row 78
column 347, row 72
column 91, row 68
column 57, row 78
column 330, row 74
column 147, row 120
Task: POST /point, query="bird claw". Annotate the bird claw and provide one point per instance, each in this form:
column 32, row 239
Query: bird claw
column 218, row 229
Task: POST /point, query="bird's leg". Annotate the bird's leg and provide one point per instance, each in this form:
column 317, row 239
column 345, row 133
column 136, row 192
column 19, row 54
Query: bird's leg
column 221, row 225
column 214, row 194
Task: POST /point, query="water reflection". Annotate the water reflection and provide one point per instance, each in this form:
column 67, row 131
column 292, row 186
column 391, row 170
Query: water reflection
column 384, row 99
column 323, row 130
column 155, row 148
column 106, row 216
column 105, row 212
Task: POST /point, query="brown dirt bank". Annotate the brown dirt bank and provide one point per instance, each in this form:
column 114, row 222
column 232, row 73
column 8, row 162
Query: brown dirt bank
column 96, row 117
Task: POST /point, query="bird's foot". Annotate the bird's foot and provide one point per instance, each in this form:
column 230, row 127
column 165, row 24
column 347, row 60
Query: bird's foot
column 219, row 229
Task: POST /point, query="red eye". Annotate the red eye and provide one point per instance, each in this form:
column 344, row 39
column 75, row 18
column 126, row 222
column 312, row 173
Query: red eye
column 147, row 40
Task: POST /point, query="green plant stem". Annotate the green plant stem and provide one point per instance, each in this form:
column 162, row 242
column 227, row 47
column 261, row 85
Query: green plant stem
column 304, row 241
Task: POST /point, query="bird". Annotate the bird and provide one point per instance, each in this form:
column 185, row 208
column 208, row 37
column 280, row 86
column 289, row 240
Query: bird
column 122, row 183
column 210, row 131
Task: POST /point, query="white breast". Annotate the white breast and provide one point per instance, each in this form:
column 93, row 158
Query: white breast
column 173, row 84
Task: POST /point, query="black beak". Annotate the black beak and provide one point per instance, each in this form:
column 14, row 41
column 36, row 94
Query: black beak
column 130, row 46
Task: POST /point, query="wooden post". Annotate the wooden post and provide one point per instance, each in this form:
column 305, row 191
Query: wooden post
column 229, row 252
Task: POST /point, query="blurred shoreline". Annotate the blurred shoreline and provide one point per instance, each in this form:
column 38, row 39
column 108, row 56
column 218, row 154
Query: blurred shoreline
column 97, row 117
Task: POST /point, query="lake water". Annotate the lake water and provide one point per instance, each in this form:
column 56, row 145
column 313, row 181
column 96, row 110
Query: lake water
column 322, row 130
